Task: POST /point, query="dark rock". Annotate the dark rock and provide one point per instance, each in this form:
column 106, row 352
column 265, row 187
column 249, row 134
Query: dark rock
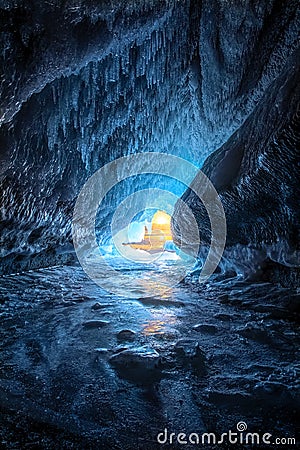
column 188, row 347
column 256, row 332
column 97, row 306
column 126, row 335
column 190, row 353
column 145, row 357
column 206, row 328
column 95, row 323
column 139, row 365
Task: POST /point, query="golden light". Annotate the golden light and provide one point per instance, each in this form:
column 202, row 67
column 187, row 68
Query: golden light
column 161, row 218
column 154, row 241
column 162, row 222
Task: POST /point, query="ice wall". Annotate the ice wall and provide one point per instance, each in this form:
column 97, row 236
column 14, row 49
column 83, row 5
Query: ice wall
column 257, row 174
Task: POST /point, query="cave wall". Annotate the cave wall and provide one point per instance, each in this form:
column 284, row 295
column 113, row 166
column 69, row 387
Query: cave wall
column 256, row 173
column 84, row 82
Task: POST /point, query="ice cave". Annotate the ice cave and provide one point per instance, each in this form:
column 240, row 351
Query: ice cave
column 150, row 239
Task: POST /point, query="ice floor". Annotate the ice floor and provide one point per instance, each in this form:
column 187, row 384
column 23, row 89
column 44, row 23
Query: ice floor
column 84, row 369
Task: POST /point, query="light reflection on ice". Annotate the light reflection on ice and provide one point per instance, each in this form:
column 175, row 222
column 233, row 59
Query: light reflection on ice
column 137, row 279
column 160, row 323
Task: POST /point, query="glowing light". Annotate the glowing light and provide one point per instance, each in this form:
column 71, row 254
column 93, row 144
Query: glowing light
column 161, row 218
column 161, row 225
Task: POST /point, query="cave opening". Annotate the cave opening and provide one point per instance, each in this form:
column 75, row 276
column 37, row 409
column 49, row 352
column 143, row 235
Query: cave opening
column 151, row 236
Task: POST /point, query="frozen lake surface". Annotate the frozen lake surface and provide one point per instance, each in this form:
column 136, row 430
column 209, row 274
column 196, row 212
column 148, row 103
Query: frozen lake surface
column 82, row 368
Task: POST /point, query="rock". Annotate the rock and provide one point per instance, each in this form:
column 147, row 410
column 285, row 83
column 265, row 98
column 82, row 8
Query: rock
column 140, row 365
column 98, row 305
column 126, row 335
column 145, row 357
column 274, row 393
column 190, row 354
column 255, row 332
column 206, row 328
column 187, row 347
column 95, row 323
column 267, row 387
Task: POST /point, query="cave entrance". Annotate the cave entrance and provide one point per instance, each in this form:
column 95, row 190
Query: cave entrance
column 155, row 237
column 146, row 238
